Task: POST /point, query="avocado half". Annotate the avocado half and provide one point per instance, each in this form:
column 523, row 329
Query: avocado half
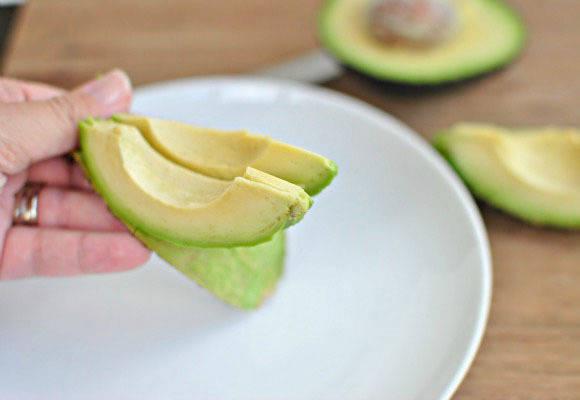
column 532, row 173
column 489, row 35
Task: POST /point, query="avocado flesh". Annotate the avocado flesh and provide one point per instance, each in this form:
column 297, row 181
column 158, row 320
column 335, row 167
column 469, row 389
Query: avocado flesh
column 227, row 155
column 489, row 35
column 533, row 174
column 242, row 276
column 169, row 202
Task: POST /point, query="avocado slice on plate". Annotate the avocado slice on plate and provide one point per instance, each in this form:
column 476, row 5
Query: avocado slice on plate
column 487, row 35
column 532, row 173
column 226, row 155
column 241, row 276
column 169, row 202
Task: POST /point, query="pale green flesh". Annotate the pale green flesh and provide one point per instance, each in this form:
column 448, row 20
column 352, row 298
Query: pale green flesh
column 243, row 276
column 490, row 35
column 172, row 203
column 531, row 173
column 226, row 155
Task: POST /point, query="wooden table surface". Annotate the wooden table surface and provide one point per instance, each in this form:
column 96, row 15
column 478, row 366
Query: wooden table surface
column 532, row 346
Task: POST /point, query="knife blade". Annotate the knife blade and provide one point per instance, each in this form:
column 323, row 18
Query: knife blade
column 313, row 67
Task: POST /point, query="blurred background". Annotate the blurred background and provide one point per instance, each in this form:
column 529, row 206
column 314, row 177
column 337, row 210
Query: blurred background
column 532, row 346
column 65, row 42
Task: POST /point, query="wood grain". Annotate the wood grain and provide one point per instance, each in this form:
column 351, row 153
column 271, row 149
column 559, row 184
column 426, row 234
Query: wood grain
column 532, row 346
column 67, row 42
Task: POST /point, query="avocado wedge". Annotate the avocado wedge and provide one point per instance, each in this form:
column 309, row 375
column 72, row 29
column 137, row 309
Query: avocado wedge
column 242, row 276
column 533, row 173
column 151, row 193
column 227, row 155
column 488, row 35
column 169, row 202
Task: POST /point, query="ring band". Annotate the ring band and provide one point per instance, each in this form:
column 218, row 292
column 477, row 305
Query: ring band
column 26, row 205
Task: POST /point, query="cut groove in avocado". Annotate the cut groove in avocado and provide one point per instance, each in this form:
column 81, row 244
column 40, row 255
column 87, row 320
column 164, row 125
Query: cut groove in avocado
column 241, row 276
column 489, row 36
column 533, row 174
column 226, row 155
column 171, row 203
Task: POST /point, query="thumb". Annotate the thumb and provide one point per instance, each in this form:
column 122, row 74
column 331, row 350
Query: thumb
column 37, row 130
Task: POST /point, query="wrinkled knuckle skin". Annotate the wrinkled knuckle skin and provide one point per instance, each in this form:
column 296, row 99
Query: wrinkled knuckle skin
column 11, row 156
column 66, row 110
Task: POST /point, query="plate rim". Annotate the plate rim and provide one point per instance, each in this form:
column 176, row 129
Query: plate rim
column 413, row 139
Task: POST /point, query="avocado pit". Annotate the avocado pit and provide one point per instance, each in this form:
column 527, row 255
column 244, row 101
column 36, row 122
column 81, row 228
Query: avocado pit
column 412, row 22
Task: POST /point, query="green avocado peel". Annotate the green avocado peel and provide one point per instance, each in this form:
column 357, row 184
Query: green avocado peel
column 530, row 173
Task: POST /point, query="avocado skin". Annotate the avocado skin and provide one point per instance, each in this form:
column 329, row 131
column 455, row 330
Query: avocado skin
column 516, row 206
column 403, row 84
column 243, row 277
column 411, row 90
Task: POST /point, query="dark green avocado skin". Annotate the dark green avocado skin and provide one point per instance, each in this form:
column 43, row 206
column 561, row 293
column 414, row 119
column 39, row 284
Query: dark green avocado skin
column 405, row 86
column 410, row 90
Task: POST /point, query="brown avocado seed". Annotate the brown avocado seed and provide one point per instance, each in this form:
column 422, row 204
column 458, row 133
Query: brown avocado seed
column 415, row 22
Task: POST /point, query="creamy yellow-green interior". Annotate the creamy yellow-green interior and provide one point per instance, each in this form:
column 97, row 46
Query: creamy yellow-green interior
column 548, row 160
column 170, row 202
column 163, row 181
column 489, row 34
column 227, row 154
column 532, row 173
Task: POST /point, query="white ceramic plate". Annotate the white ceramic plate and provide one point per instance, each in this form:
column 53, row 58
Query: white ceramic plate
column 385, row 295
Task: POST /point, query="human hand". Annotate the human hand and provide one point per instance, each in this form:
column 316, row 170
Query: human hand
column 75, row 234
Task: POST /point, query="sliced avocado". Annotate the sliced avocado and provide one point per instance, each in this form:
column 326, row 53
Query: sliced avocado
column 227, row 155
column 489, row 35
column 241, row 276
column 533, row 174
column 154, row 197
column 169, row 202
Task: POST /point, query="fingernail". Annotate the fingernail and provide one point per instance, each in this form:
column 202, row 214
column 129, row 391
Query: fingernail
column 109, row 90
